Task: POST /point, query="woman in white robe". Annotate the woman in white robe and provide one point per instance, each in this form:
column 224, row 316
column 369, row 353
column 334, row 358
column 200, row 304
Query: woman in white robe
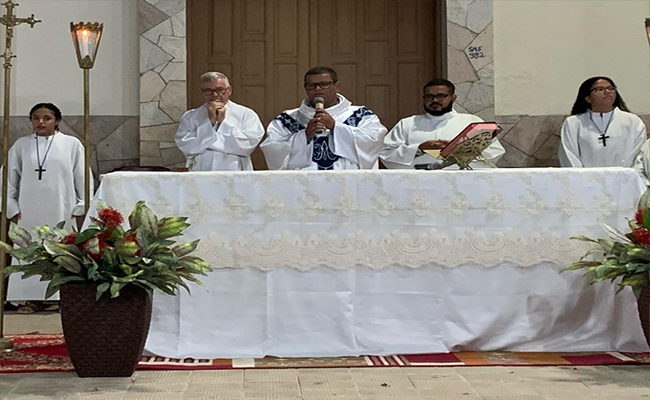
column 46, row 186
column 601, row 132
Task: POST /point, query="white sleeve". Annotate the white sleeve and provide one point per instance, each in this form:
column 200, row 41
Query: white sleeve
column 397, row 152
column 286, row 150
column 194, row 137
column 639, row 140
column 642, row 163
column 238, row 138
column 78, row 176
column 13, row 185
column 362, row 144
column 569, row 150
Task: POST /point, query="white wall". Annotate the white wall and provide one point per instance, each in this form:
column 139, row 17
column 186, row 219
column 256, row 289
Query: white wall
column 46, row 68
column 544, row 50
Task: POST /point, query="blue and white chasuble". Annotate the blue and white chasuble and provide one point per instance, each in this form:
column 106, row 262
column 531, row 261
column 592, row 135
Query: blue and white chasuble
column 354, row 143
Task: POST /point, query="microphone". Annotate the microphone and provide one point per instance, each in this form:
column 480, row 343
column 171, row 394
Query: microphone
column 319, row 105
column 430, row 167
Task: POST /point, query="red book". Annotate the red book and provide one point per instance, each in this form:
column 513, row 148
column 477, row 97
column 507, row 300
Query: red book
column 472, row 130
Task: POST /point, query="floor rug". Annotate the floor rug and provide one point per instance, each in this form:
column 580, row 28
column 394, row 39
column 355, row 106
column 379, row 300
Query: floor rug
column 47, row 353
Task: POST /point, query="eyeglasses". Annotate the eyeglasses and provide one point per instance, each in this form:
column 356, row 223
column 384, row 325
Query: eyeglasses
column 322, row 85
column 610, row 89
column 439, row 97
column 219, row 91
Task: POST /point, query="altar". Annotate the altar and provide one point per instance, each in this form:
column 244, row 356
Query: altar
column 386, row 262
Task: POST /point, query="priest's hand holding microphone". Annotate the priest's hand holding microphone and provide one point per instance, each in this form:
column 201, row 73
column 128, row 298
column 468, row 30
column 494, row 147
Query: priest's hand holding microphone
column 321, row 120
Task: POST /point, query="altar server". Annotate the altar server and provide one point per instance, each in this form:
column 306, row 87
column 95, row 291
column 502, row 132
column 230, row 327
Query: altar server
column 221, row 134
column 405, row 144
column 45, row 187
column 326, row 132
column 600, row 131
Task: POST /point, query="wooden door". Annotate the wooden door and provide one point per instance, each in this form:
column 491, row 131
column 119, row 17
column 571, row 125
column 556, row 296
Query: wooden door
column 383, row 50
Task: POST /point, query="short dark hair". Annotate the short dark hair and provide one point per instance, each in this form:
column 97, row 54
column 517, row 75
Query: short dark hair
column 440, row 82
column 581, row 105
column 322, row 70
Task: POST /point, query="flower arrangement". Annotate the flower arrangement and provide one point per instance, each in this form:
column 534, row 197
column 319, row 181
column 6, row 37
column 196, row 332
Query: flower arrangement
column 107, row 255
column 622, row 255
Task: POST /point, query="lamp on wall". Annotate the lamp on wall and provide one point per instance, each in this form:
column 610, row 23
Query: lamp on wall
column 86, row 37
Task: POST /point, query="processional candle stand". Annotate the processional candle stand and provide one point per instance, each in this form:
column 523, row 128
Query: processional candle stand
column 9, row 20
column 86, row 37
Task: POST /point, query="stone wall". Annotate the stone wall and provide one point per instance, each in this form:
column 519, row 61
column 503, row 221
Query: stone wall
column 163, row 97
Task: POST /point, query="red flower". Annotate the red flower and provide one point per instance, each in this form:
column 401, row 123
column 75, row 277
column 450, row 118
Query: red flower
column 131, row 238
column 69, row 239
column 642, row 235
column 110, row 217
column 639, row 216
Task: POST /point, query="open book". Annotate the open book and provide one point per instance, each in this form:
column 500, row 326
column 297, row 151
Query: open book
column 488, row 130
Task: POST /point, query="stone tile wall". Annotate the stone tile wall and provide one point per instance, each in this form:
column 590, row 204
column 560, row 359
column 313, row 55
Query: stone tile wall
column 163, row 97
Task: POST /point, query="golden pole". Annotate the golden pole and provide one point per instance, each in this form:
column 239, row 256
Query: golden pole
column 10, row 21
column 87, row 171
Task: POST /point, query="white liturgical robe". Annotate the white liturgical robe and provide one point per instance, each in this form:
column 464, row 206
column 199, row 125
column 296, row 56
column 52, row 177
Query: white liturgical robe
column 57, row 197
column 402, row 142
column 611, row 139
column 642, row 162
column 224, row 146
column 354, row 143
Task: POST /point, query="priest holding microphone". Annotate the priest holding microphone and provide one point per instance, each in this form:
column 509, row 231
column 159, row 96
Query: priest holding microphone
column 326, row 132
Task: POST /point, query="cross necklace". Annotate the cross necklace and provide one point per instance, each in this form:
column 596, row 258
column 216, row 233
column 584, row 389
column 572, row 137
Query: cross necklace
column 603, row 135
column 40, row 169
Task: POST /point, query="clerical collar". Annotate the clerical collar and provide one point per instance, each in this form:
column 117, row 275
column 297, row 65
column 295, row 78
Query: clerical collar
column 605, row 114
column 446, row 115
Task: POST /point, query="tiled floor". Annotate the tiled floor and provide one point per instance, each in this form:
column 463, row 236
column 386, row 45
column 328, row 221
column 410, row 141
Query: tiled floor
column 459, row 383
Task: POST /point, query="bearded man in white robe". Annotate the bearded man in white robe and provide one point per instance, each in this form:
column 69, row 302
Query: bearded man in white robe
column 405, row 145
column 221, row 134
column 326, row 132
column 600, row 131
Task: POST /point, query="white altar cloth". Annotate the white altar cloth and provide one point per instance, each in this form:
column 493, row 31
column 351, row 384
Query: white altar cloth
column 384, row 262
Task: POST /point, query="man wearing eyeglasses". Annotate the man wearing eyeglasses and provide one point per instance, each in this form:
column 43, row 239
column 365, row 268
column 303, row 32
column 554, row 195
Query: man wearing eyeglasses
column 326, row 132
column 405, row 144
column 221, row 134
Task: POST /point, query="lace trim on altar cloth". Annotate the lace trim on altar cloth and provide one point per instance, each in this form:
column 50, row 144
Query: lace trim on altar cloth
column 396, row 249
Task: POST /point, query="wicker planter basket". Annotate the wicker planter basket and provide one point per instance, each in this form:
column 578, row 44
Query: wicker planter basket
column 644, row 311
column 104, row 337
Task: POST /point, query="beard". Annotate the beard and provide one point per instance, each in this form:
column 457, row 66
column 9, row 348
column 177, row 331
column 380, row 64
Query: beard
column 442, row 111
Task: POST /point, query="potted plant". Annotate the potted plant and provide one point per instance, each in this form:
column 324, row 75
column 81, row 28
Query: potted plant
column 106, row 276
column 625, row 256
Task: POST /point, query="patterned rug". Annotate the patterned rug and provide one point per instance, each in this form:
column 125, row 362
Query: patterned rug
column 47, row 353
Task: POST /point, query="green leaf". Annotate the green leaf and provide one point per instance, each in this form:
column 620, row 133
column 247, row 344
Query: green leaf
column 60, row 249
column 101, row 289
column 194, row 264
column 144, row 219
column 636, row 280
column 61, row 225
column 615, row 234
column 86, row 234
column 171, row 226
column 115, row 288
column 126, row 248
column 580, row 265
column 583, row 238
column 69, row 263
column 19, row 236
column 644, row 201
column 185, row 249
